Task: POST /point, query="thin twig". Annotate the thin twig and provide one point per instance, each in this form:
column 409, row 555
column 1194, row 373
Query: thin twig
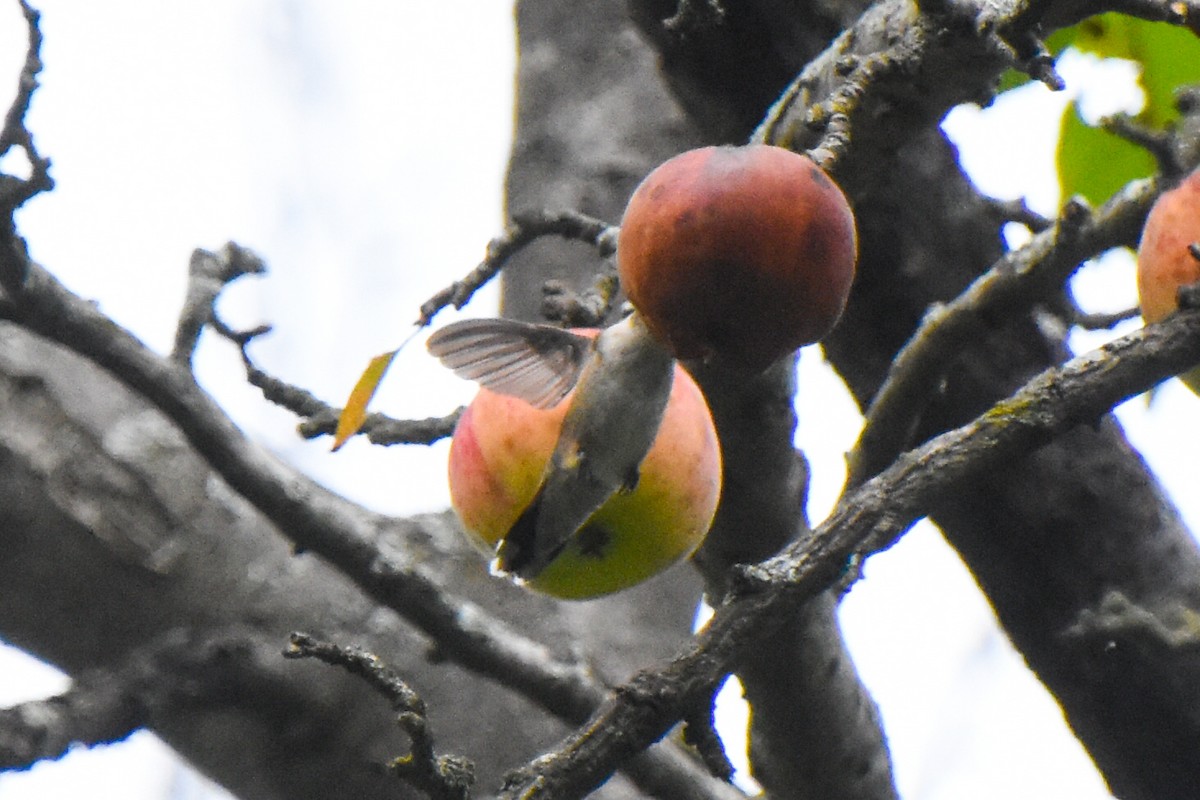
column 344, row 534
column 441, row 777
column 586, row 309
column 16, row 191
column 837, row 115
column 1161, row 145
column 1029, row 51
column 1019, row 211
column 694, row 15
column 1013, row 284
column 208, row 275
column 383, row 430
column 1103, row 320
column 15, row 133
column 700, row 731
column 525, row 228
column 91, row 712
column 108, row 703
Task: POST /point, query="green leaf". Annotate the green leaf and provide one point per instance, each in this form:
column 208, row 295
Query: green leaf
column 1169, row 57
column 1011, row 79
column 1107, row 35
column 1095, row 163
column 1063, row 38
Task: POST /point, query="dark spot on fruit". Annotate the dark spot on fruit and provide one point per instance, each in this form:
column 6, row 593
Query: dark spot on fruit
column 593, row 540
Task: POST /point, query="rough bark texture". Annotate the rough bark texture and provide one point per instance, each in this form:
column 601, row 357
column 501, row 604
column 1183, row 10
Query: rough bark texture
column 124, row 552
column 1050, row 538
column 801, row 679
column 127, row 560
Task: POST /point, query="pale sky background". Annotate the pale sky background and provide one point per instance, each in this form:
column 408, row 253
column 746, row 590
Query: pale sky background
column 329, row 137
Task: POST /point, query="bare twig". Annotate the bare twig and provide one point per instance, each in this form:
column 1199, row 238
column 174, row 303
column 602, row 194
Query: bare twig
column 863, row 86
column 875, row 514
column 1012, row 285
column 210, row 272
column 692, row 15
column 208, row 275
column 383, row 430
column 14, row 119
column 1029, row 51
column 441, row 777
column 16, row 191
column 107, row 704
column 15, row 133
column 835, row 116
column 700, row 731
column 586, row 309
column 1160, row 144
column 525, row 228
column 91, row 712
column 1103, row 320
column 320, row 419
column 1019, row 211
column 347, row 536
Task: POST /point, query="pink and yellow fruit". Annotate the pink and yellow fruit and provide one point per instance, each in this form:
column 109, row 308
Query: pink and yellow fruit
column 501, row 447
column 1164, row 261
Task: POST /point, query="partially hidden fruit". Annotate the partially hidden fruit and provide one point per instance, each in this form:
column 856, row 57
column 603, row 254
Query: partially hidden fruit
column 739, row 253
column 1164, row 262
column 500, row 449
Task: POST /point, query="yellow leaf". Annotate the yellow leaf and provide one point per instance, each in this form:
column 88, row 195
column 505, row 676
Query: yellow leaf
column 355, row 412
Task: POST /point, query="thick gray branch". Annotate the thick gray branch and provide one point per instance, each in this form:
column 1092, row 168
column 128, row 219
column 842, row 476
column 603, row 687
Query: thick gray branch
column 873, row 516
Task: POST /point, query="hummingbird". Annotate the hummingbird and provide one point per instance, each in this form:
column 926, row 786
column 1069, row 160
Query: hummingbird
column 622, row 379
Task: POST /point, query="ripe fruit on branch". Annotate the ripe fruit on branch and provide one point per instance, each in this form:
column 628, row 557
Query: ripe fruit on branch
column 584, row 493
column 742, row 253
column 1164, row 260
column 498, row 460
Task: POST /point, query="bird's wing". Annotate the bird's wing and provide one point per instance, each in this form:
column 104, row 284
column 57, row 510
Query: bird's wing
column 539, row 364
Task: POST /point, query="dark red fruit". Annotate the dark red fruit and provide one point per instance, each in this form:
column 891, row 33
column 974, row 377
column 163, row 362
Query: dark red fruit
column 739, row 253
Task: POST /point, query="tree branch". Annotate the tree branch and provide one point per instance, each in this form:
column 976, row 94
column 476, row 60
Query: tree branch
column 107, row 704
column 208, row 275
column 1011, row 287
column 900, row 174
column 347, row 536
column 440, row 777
column 350, row 538
column 210, row 272
column 872, row 517
column 525, row 228
column 14, row 191
column 91, row 712
column 909, row 64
